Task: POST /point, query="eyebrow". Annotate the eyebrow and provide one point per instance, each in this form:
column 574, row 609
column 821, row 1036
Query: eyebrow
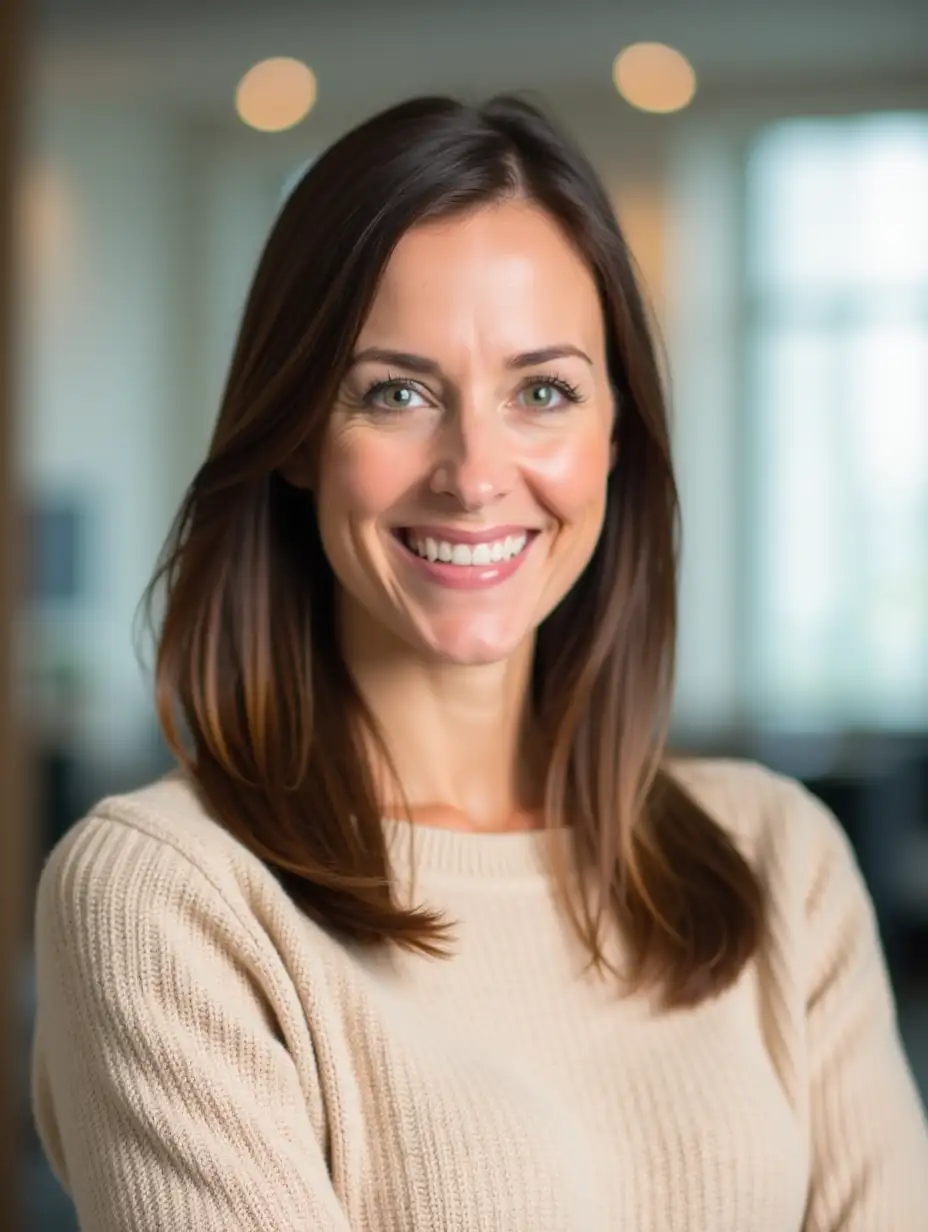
column 429, row 367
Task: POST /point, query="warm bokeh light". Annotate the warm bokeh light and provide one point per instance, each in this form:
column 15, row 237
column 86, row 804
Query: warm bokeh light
column 654, row 77
column 276, row 94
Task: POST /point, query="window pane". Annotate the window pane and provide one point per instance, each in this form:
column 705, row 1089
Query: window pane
column 887, row 412
column 838, row 364
column 838, row 207
column 799, row 535
column 797, row 216
column 888, row 173
column 842, row 499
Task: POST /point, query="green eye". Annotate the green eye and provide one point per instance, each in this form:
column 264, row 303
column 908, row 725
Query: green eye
column 549, row 394
column 398, row 395
column 542, row 395
column 392, row 396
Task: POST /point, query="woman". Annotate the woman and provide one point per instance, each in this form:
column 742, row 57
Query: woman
column 427, row 932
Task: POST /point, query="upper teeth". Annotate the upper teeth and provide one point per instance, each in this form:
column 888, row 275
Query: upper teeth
column 464, row 553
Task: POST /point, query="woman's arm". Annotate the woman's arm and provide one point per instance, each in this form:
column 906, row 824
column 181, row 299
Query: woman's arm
column 869, row 1132
column 164, row 1097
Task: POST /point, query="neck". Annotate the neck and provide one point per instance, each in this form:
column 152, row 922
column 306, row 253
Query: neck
column 459, row 736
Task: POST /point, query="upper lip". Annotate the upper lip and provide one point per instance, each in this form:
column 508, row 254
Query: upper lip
column 453, row 534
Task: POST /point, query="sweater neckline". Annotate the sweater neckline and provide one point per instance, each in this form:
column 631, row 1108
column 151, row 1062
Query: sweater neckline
column 465, row 853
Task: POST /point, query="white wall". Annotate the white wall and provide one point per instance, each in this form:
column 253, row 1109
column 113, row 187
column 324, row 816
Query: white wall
column 103, row 298
column 138, row 240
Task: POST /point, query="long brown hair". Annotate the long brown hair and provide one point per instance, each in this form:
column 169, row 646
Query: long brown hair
column 253, row 694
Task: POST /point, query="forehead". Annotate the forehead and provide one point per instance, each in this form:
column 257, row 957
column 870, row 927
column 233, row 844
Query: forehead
column 505, row 272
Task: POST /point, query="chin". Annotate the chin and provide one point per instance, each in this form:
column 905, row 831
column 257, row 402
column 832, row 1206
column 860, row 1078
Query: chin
column 477, row 656
column 465, row 648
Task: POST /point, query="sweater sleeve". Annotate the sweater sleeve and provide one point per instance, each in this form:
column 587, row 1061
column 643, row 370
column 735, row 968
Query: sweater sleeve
column 869, row 1132
column 163, row 1094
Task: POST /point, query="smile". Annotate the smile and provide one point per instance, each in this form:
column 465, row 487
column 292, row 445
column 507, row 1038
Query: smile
column 465, row 566
column 463, row 555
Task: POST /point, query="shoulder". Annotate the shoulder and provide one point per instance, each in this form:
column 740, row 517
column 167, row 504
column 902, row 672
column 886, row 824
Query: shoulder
column 166, row 953
column 795, row 844
column 756, row 805
column 166, row 814
column 156, row 849
column 182, row 917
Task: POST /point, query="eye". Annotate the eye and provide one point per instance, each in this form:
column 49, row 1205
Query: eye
column 393, row 395
column 549, row 394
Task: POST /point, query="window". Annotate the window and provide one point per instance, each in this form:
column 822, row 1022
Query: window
column 837, row 386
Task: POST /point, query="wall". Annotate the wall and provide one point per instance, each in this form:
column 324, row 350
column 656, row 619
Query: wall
column 106, row 312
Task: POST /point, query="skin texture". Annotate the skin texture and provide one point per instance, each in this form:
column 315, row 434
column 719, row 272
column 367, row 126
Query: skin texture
column 473, row 444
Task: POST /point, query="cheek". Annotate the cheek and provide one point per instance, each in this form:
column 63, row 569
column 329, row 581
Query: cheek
column 571, row 475
column 363, row 477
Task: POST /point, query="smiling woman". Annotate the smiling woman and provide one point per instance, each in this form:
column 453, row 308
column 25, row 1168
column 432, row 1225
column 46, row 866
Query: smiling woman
column 427, row 930
column 482, row 435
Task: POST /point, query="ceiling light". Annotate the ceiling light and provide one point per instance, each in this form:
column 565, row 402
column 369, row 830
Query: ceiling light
column 276, row 94
column 653, row 77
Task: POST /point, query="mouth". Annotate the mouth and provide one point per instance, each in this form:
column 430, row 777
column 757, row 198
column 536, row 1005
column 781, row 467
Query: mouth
column 486, row 553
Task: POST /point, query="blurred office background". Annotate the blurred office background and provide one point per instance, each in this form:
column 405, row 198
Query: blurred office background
column 780, row 222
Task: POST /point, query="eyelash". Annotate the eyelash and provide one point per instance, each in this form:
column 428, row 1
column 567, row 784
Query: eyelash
column 569, row 391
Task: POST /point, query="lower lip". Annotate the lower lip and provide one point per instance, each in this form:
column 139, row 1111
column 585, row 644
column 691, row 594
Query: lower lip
column 465, row 577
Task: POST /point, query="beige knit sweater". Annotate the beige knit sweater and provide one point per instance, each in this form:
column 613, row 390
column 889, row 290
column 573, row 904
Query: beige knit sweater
column 208, row 1059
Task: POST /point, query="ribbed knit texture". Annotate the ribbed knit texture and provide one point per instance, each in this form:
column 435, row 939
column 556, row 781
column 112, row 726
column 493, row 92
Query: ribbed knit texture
column 207, row 1059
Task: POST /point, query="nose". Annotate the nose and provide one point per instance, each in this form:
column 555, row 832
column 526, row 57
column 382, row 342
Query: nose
column 475, row 464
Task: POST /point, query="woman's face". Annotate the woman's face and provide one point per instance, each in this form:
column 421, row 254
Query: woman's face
column 462, row 485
